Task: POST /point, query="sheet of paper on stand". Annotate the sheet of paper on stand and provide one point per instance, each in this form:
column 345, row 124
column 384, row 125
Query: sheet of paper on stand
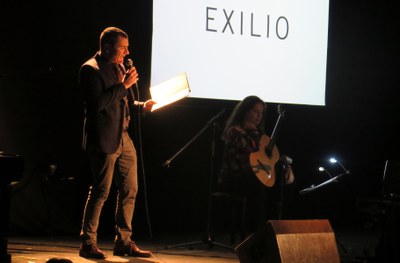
column 170, row 91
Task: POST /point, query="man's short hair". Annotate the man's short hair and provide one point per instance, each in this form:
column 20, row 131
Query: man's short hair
column 110, row 36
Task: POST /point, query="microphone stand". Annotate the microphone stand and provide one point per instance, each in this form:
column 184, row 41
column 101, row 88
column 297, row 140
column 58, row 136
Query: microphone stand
column 211, row 121
column 327, row 182
column 281, row 187
column 209, row 239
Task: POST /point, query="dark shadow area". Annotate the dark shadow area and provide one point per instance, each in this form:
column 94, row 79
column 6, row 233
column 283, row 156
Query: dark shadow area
column 42, row 48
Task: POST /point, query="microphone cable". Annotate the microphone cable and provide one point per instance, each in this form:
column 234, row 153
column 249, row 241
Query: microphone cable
column 139, row 137
column 128, row 63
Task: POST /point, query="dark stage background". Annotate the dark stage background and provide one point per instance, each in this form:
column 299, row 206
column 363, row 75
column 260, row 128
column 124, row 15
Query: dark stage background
column 43, row 45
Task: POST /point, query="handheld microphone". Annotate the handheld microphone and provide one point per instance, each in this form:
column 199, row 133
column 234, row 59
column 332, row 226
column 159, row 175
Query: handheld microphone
column 128, row 65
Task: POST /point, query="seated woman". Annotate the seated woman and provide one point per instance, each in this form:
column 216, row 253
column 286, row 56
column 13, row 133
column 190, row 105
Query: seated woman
column 242, row 134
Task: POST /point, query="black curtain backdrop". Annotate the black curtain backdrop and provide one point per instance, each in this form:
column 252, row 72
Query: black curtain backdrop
column 43, row 45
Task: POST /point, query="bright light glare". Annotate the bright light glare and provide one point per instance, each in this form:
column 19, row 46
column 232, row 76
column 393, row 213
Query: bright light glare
column 170, row 91
column 333, row 160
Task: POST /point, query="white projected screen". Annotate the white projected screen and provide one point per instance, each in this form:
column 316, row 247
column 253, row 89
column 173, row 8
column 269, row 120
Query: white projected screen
column 230, row 49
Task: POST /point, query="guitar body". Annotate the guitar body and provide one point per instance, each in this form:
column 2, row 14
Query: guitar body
column 263, row 163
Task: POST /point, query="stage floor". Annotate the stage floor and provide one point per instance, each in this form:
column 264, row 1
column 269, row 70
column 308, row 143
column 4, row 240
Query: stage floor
column 34, row 250
column 353, row 246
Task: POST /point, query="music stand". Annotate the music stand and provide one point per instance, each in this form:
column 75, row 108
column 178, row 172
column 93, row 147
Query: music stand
column 313, row 188
column 209, row 239
column 333, row 179
column 327, row 182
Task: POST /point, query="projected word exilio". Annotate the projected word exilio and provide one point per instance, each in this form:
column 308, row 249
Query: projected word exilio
column 239, row 22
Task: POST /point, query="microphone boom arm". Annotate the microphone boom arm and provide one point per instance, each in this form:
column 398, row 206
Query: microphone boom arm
column 211, row 121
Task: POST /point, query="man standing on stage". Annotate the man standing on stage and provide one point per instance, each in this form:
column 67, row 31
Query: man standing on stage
column 112, row 156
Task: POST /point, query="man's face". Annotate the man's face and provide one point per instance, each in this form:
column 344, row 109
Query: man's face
column 118, row 52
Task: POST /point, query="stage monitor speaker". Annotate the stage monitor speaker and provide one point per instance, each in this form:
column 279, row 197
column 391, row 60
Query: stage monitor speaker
column 290, row 241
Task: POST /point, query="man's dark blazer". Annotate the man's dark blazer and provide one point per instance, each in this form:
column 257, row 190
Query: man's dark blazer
column 104, row 102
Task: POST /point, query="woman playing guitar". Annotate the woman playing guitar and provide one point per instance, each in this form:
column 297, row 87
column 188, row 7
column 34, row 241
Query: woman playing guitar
column 245, row 140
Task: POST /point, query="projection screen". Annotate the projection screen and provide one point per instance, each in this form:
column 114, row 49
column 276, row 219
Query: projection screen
column 230, row 49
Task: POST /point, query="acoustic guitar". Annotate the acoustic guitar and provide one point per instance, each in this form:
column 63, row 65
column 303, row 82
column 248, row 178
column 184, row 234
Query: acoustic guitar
column 263, row 161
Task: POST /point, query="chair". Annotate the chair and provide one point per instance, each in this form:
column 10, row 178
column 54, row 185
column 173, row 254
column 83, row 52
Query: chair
column 233, row 210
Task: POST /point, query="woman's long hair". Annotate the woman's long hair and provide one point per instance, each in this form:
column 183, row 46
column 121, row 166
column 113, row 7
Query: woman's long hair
column 239, row 113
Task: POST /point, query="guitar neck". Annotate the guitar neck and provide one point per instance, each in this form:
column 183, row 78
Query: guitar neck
column 271, row 143
column 270, row 147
